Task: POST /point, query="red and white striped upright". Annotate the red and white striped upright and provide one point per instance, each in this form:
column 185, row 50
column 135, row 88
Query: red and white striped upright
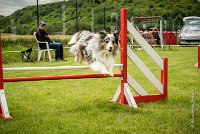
column 123, row 59
column 198, row 64
column 4, row 113
column 123, row 94
column 164, row 78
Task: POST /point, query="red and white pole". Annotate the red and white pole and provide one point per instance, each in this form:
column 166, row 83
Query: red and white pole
column 198, row 63
column 123, row 50
column 61, row 77
column 4, row 113
column 1, row 78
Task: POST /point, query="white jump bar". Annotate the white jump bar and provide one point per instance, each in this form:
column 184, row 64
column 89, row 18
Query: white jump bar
column 51, row 68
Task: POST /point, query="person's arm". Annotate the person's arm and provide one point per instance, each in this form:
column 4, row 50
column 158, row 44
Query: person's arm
column 47, row 37
column 40, row 37
column 43, row 37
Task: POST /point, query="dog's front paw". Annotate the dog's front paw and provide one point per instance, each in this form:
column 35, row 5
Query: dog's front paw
column 111, row 75
column 106, row 73
column 111, row 72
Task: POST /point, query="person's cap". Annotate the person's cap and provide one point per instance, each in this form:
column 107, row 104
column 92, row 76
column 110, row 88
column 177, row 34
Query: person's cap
column 42, row 23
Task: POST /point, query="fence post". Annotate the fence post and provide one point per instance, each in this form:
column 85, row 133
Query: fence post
column 37, row 14
column 77, row 16
column 104, row 20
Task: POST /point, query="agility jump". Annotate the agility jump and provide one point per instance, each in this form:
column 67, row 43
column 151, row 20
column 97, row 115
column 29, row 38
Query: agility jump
column 123, row 94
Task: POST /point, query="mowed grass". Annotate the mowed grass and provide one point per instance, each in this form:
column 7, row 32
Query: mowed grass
column 83, row 106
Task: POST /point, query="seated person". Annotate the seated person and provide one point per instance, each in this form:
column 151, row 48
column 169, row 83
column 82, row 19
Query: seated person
column 42, row 35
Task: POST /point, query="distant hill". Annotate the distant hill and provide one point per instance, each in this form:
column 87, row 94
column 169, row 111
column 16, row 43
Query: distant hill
column 61, row 16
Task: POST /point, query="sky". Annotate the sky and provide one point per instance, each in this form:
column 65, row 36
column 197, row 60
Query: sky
column 7, row 7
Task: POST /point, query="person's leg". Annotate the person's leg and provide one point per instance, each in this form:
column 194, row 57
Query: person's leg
column 61, row 52
column 56, row 46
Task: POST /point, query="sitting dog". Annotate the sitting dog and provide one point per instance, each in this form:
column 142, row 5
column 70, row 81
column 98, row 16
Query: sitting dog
column 98, row 50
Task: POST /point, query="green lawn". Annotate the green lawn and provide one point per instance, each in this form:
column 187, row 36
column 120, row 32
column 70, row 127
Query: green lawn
column 83, row 106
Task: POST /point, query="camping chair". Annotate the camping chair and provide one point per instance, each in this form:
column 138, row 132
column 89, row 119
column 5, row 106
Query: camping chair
column 43, row 50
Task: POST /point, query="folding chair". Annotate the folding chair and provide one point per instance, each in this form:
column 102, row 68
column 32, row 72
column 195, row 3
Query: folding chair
column 43, row 50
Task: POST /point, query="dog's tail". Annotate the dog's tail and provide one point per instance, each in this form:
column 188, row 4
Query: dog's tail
column 74, row 39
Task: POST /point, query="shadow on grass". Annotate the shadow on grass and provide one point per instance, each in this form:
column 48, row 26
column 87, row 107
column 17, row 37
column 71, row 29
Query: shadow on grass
column 100, row 106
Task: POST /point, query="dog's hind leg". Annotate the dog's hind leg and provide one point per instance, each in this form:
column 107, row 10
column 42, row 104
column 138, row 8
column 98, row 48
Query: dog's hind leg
column 74, row 39
column 99, row 67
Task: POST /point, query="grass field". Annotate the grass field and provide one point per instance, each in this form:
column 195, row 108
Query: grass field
column 83, row 106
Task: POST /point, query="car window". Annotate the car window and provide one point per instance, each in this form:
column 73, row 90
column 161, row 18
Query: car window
column 195, row 22
column 189, row 28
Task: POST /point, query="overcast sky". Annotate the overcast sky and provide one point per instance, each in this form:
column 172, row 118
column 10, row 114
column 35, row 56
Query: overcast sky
column 7, row 7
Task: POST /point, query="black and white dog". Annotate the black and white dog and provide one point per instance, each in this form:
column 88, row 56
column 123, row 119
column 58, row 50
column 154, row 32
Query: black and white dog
column 99, row 50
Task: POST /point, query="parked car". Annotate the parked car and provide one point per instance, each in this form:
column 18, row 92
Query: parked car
column 190, row 33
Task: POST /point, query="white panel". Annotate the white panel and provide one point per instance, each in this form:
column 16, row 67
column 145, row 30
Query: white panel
column 117, row 93
column 145, row 70
column 3, row 103
column 129, row 96
column 139, row 89
column 141, row 41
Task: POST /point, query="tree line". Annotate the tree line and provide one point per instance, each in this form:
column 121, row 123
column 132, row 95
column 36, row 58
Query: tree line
column 69, row 16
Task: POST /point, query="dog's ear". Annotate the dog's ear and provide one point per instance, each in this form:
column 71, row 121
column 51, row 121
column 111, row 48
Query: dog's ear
column 116, row 35
column 102, row 34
